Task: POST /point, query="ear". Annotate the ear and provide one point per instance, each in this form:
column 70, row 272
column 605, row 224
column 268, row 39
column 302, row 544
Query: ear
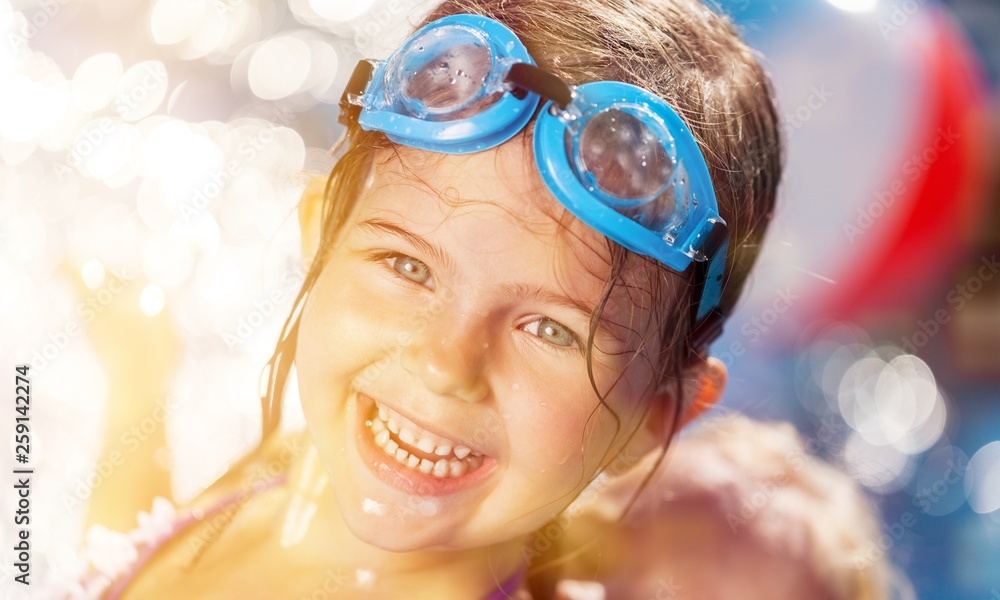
column 704, row 391
column 311, row 218
column 702, row 387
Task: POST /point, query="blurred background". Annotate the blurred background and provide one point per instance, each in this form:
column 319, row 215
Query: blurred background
column 153, row 152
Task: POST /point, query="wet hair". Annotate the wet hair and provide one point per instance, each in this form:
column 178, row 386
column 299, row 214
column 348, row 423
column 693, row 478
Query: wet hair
column 679, row 50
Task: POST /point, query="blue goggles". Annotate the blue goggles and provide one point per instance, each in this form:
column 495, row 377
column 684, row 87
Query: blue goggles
column 616, row 156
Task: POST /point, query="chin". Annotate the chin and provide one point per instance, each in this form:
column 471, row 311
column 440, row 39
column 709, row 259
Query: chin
column 393, row 527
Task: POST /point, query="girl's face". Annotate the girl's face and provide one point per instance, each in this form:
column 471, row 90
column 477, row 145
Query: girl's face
column 448, row 331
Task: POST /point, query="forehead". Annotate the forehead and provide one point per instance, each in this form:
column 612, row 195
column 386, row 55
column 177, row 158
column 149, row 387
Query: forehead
column 491, row 202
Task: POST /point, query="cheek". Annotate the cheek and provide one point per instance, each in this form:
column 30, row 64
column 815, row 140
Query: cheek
column 558, row 444
column 336, row 334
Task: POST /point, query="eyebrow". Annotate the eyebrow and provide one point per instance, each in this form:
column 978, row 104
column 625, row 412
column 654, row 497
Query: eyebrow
column 523, row 291
column 431, row 249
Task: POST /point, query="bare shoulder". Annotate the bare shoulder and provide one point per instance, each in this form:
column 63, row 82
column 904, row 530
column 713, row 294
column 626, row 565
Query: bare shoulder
column 265, row 462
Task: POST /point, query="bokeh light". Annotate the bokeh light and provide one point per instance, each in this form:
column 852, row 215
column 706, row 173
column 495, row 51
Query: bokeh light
column 982, row 479
column 152, row 300
column 96, row 81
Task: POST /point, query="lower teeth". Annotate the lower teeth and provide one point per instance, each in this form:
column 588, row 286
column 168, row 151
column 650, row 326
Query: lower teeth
column 441, row 468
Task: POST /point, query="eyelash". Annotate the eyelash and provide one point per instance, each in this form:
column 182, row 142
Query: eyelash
column 575, row 347
column 380, row 258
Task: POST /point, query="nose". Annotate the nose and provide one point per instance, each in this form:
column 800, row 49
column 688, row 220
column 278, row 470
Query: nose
column 447, row 356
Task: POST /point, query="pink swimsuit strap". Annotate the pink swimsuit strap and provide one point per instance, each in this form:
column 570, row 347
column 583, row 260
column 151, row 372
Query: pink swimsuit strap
column 183, row 523
column 503, row 592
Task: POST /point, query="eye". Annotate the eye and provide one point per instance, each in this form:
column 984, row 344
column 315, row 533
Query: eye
column 410, row 268
column 552, row 332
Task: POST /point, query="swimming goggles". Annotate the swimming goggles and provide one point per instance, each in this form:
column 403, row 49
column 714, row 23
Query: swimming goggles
column 616, row 156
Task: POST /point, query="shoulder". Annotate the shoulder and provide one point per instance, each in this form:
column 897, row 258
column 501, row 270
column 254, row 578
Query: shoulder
column 108, row 560
column 270, row 459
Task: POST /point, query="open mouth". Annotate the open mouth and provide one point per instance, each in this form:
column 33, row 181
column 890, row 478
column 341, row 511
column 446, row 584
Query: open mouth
column 413, row 460
column 418, row 449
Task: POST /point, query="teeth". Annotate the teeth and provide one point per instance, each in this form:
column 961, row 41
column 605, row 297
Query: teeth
column 443, row 450
column 458, row 468
column 475, row 462
column 455, row 461
column 407, row 436
column 426, row 445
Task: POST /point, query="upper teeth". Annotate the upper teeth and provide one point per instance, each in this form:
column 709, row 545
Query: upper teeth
column 453, row 462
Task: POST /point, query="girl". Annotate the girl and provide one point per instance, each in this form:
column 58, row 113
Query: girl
column 542, row 212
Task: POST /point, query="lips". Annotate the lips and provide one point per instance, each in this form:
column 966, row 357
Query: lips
column 412, row 459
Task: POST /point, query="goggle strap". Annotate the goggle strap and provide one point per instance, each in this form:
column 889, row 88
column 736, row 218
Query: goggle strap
column 709, row 327
column 715, row 239
column 708, row 330
column 529, row 77
column 355, row 86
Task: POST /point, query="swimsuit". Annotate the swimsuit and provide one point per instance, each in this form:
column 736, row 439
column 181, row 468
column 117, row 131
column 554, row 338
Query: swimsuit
column 105, row 581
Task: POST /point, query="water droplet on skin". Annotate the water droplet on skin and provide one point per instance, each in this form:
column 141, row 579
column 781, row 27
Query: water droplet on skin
column 486, row 344
column 364, row 577
column 371, row 507
column 543, row 403
column 451, row 80
column 429, row 508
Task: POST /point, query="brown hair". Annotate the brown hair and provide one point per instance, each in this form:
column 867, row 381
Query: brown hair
column 677, row 49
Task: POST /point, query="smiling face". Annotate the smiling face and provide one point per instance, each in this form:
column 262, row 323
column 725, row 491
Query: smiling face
column 442, row 354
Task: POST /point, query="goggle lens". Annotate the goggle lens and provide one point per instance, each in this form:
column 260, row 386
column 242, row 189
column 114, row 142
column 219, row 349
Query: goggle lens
column 443, row 75
column 633, row 165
